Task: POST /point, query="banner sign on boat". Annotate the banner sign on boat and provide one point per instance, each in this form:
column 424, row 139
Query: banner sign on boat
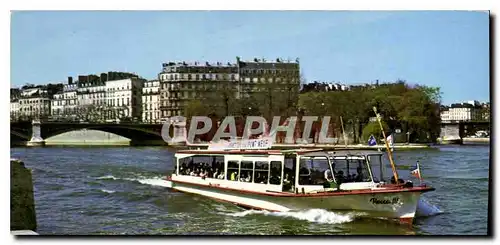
column 254, row 144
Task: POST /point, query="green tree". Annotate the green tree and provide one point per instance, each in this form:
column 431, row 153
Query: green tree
column 373, row 128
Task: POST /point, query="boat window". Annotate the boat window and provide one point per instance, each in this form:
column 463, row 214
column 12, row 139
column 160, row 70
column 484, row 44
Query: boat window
column 275, row 173
column 246, row 171
column 350, row 169
column 289, row 172
column 217, row 167
column 232, row 170
column 261, row 172
column 377, row 167
column 202, row 166
column 185, row 165
column 312, row 170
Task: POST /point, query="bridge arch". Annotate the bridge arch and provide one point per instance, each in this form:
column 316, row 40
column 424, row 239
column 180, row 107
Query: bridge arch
column 132, row 132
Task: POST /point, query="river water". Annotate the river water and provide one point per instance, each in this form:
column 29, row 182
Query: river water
column 118, row 190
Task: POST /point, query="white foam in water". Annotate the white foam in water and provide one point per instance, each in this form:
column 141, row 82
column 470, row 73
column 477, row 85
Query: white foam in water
column 108, row 177
column 155, row 182
column 312, row 215
column 107, row 191
column 424, row 208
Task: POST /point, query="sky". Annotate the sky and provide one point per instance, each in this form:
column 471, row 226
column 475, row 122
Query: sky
column 446, row 49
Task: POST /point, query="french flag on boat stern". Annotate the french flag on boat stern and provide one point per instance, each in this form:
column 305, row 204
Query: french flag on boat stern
column 415, row 171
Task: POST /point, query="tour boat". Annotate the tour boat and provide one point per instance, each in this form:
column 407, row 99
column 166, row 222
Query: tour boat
column 300, row 179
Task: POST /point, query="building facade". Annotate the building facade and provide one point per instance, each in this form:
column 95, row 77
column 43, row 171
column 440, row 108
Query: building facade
column 259, row 75
column 34, row 103
column 462, row 112
column 181, row 82
column 70, row 100
column 15, row 95
column 151, row 101
column 124, row 98
column 91, row 98
column 14, row 109
column 57, row 107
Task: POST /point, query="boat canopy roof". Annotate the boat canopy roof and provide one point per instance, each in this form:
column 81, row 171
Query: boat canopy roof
column 302, row 152
column 345, row 153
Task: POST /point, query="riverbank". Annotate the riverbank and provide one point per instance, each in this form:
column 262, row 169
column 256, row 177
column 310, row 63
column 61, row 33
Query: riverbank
column 476, row 140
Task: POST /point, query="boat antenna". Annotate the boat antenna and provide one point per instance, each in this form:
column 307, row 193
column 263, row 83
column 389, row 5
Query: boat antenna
column 389, row 152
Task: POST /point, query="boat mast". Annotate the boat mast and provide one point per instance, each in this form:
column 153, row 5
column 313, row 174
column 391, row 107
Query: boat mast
column 343, row 131
column 389, row 152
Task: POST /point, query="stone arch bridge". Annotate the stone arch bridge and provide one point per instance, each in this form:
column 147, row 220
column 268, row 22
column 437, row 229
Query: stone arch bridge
column 138, row 134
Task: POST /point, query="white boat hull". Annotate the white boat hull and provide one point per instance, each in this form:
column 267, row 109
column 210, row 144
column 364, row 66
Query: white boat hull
column 392, row 205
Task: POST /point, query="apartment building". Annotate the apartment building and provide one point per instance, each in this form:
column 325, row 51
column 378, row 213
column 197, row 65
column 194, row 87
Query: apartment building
column 124, row 97
column 182, row 81
column 91, row 97
column 15, row 95
column 151, row 101
column 260, row 75
column 14, row 109
column 462, row 112
column 70, row 99
column 34, row 103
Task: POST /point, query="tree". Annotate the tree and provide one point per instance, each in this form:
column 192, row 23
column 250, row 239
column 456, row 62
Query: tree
column 415, row 108
column 195, row 108
column 373, row 128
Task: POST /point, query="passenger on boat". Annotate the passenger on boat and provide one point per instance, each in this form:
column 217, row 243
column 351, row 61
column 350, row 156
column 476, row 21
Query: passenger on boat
column 203, row 175
column 340, row 177
column 287, row 184
column 260, row 178
column 221, row 175
column 216, row 174
column 286, row 180
column 275, row 179
column 400, row 181
column 328, row 175
column 234, row 176
column 245, row 178
column 359, row 176
column 192, row 173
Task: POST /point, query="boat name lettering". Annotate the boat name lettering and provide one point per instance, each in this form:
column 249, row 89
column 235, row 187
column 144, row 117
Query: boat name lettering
column 250, row 144
column 384, row 201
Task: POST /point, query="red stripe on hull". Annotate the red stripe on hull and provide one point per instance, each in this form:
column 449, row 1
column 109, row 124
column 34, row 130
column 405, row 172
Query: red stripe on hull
column 284, row 194
column 406, row 221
